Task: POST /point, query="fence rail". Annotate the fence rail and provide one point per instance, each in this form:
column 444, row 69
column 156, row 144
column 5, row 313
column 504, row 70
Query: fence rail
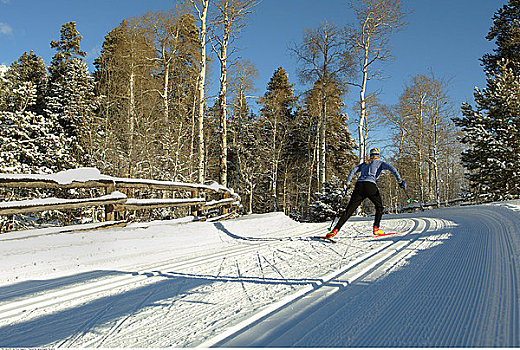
column 118, row 194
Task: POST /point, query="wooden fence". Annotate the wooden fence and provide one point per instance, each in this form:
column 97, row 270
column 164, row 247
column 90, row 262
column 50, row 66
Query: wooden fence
column 120, row 195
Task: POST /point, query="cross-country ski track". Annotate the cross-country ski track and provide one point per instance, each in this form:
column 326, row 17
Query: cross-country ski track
column 451, row 280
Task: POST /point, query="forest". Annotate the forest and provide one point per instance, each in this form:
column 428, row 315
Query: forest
column 145, row 111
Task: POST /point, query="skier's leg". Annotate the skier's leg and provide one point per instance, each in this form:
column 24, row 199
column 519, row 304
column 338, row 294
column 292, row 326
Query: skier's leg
column 375, row 196
column 355, row 200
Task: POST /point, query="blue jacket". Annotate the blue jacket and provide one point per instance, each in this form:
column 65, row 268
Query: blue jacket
column 370, row 172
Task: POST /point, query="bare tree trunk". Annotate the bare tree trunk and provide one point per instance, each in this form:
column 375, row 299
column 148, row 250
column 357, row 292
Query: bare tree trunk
column 166, row 101
column 192, row 139
column 222, row 95
column 203, row 14
column 251, row 188
column 285, row 188
column 377, row 20
column 311, row 171
column 131, row 122
column 436, row 155
column 363, row 112
column 420, row 150
column 274, row 169
column 323, row 133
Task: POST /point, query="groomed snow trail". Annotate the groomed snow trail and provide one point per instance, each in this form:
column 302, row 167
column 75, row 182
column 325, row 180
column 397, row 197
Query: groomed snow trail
column 450, row 280
column 462, row 291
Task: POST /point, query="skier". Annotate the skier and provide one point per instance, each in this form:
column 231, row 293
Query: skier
column 366, row 187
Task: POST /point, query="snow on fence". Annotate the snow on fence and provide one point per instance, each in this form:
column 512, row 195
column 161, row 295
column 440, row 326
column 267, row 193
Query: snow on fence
column 117, row 193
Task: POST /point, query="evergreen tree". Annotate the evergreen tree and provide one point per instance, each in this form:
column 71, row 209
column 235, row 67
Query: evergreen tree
column 277, row 122
column 491, row 130
column 29, row 68
column 67, row 49
column 328, row 203
column 339, row 144
column 29, row 145
column 70, row 94
column 506, row 31
column 3, row 88
column 29, row 141
column 78, row 109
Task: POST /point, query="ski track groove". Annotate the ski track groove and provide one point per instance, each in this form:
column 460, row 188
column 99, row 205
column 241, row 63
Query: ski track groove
column 142, row 270
column 434, row 311
column 84, row 328
column 118, row 324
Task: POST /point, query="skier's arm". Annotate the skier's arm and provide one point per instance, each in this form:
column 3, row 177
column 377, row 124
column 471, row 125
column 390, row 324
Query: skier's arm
column 352, row 173
column 393, row 171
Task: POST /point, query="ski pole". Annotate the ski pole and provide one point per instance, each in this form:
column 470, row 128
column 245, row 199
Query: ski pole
column 410, row 200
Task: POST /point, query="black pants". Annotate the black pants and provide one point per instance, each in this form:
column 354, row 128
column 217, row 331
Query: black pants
column 363, row 190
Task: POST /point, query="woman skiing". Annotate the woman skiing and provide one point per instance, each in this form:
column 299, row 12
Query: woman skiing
column 366, row 187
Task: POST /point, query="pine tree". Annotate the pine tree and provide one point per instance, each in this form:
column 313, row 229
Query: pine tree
column 3, row 88
column 28, row 68
column 78, row 109
column 276, row 121
column 29, row 141
column 28, row 144
column 67, row 48
column 328, row 203
column 70, row 93
column 491, row 130
column 506, row 31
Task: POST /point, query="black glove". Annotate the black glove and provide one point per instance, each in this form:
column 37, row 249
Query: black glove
column 402, row 184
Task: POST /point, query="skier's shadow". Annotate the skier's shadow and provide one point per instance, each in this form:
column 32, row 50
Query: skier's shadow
column 228, row 233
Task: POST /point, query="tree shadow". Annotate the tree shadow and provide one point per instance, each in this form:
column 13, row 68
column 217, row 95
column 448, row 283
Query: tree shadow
column 67, row 324
column 63, row 324
column 34, row 287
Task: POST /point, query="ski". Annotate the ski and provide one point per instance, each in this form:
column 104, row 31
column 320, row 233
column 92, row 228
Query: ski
column 386, row 234
column 325, row 238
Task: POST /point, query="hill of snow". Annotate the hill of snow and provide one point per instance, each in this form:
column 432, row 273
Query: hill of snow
column 261, row 280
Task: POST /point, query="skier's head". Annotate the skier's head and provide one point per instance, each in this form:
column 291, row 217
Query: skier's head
column 374, row 152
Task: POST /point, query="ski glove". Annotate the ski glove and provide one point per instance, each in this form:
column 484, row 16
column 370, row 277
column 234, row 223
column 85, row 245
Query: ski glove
column 402, row 184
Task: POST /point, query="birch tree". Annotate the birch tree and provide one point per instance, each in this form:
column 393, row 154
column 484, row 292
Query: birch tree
column 201, row 8
column 228, row 23
column 124, row 78
column 244, row 155
column 174, row 36
column 368, row 40
column 426, row 136
column 325, row 61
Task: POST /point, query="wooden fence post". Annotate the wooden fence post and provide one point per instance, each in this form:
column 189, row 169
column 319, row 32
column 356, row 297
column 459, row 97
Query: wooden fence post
column 109, row 208
column 225, row 209
column 194, row 210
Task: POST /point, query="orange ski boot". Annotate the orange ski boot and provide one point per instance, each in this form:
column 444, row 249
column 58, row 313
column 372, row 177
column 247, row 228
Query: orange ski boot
column 332, row 233
column 378, row 232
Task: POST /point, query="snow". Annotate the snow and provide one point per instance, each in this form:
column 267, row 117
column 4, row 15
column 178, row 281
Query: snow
column 3, row 70
column 77, row 175
column 116, row 195
column 260, row 280
column 67, row 177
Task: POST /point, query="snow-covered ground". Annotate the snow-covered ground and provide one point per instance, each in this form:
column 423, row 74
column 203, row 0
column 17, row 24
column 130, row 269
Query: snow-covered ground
column 451, row 280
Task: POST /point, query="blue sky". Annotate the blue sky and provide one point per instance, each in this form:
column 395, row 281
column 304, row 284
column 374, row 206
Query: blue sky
column 447, row 36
